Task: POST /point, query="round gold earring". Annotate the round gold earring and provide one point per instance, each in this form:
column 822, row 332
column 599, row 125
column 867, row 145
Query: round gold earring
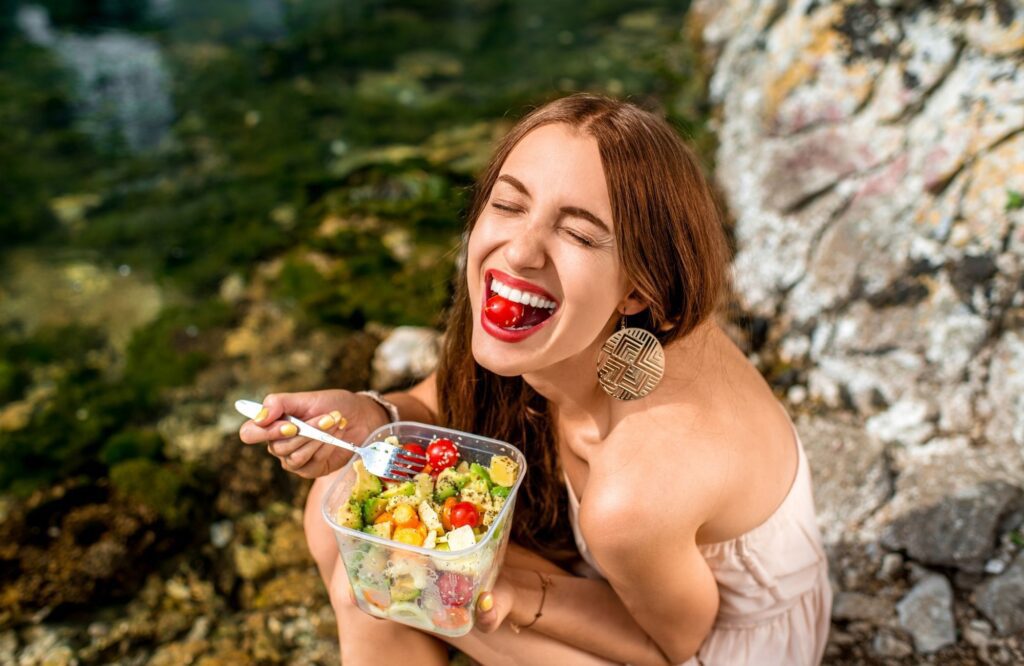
column 631, row 363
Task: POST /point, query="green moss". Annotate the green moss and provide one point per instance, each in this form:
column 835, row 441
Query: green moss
column 132, row 443
column 163, row 488
column 173, row 348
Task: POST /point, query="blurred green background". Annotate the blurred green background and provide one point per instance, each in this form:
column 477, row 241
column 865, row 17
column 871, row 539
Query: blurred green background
column 203, row 200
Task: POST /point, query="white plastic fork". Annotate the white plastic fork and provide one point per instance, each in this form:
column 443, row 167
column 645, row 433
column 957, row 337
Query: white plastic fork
column 380, row 458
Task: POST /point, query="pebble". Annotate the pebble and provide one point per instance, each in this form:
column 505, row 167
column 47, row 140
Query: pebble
column 926, row 612
column 221, row 533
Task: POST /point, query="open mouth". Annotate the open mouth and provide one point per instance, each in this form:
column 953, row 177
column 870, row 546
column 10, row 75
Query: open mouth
column 515, row 305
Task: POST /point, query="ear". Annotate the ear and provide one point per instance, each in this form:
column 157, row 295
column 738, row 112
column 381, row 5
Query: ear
column 632, row 304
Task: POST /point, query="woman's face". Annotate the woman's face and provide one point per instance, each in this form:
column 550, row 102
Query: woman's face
column 544, row 277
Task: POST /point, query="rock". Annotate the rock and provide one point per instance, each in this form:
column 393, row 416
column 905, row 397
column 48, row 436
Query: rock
column 1003, row 403
column 406, row 355
column 298, row 587
column 8, row 646
column 288, row 544
column 960, row 530
column 927, row 613
column 859, row 606
column 221, row 533
column 892, row 565
column 887, row 644
column 1001, row 598
column 850, row 476
column 251, row 563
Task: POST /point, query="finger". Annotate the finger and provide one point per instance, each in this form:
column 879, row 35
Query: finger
column 297, row 459
column 323, row 461
column 250, row 433
column 299, row 450
column 493, row 607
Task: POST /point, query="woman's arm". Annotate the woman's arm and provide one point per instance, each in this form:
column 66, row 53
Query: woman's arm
column 584, row 613
column 418, row 403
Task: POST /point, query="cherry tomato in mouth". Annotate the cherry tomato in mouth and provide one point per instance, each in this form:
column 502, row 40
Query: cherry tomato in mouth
column 503, row 312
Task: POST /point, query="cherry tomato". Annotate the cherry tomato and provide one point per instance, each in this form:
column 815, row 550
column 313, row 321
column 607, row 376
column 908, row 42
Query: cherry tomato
column 446, row 513
column 415, row 448
column 442, row 454
column 455, row 589
column 450, row 618
column 503, row 312
column 465, row 513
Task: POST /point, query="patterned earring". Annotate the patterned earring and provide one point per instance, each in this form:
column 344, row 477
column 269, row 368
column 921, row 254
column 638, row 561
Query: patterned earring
column 631, row 363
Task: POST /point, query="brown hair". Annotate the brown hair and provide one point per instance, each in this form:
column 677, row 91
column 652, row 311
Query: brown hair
column 673, row 249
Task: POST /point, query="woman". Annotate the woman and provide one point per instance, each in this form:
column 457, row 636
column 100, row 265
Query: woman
column 691, row 502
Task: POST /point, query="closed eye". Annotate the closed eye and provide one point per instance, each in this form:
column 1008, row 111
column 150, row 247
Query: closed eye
column 580, row 238
column 506, row 208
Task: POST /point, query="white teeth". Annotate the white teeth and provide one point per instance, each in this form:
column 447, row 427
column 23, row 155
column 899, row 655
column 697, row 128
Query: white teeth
column 520, row 296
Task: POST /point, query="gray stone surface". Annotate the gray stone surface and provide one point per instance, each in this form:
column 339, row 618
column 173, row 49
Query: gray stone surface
column 927, row 613
column 870, row 154
column 1001, row 598
column 858, row 606
column 850, row 475
column 959, row 531
column 409, row 353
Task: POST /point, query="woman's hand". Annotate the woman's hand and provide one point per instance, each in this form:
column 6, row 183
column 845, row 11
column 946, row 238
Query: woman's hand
column 503, row 600
column 340, row 413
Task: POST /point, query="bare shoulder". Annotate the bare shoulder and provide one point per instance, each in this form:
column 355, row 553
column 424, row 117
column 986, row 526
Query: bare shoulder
column 666, row 467
column 714, row 460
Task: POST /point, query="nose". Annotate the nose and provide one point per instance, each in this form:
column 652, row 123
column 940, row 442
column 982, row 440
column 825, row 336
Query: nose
column 526, row 249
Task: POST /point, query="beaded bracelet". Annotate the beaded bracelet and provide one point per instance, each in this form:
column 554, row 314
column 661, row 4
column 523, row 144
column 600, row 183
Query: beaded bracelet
column 545, row 582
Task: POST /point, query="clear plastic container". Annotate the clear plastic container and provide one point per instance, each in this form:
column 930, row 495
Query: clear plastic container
column 421, row 587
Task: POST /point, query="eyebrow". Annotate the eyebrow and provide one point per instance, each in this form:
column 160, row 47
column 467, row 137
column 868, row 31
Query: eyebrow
column 574, row 211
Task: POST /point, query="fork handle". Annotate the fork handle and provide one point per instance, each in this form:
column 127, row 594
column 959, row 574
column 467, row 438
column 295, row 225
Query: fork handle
column 251, row 409
column 307, row 430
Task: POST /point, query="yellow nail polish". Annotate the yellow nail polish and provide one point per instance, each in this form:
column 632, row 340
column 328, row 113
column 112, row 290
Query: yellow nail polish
column 325, row 422
column 336, row 415
column 486, row 602
column 342, row 422
column 289, row 430
column 262, row 415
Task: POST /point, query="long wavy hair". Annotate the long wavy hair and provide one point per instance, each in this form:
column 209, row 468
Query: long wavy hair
column 672, row 247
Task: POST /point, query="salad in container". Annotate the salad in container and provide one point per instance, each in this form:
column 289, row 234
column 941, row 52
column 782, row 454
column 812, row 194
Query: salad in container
column 421, row 551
